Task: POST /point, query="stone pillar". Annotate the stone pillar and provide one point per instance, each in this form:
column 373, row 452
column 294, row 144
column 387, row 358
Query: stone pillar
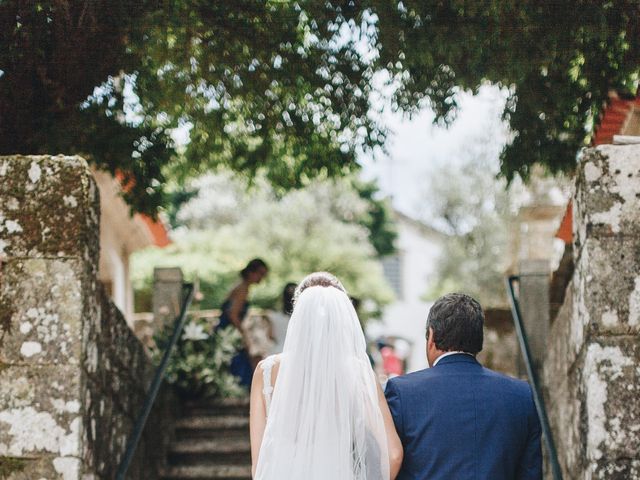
column 534, row 306
column 72, row 374
column 167, row 295
column 591, row 370
column 48, row 234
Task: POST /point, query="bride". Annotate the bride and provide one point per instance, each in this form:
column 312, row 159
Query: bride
column 317, row 410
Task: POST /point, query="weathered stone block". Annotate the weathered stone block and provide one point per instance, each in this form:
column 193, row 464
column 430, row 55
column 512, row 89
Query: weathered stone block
column 609, row 277
column 534, row 305
column 611, row 380
column 167, row 295
column 621, row 469
column 44, row 467
column 607, row 199
column 562, row 382
column 44, row 322
column 563, row 343
column 107, row 432
column 41, row 421
column 564, row 408
column 72, row 374
column 50, row 207
column 55, row 389
column 591, row 373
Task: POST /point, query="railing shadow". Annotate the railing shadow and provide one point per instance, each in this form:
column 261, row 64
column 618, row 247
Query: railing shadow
column 533, row 378
column 158, row 377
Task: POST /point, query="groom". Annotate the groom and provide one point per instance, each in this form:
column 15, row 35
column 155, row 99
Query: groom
column 458, row 420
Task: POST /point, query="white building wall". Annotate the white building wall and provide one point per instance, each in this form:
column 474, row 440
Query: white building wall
column 120, row 235
column 419, row 248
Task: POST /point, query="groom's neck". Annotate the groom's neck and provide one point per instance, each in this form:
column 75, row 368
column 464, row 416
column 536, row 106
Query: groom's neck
column 440, row 354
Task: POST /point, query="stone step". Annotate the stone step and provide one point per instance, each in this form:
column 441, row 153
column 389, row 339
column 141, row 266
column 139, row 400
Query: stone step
column 177, row 459
column 211, row 442
column 228, row 426
column 205, row 451
column 209, row 422
column 208, row 472
column 221, row 402
column 220, row 445
column 217, row 407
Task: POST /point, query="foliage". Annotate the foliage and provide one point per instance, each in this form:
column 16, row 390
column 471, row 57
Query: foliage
column 377, row 220
column 479, row 212
column 374, row 213
column 465, row 200
column 199, row 365
column 558, row 59
column 316, row 228
column 473, row 208
column 163, row 90
column 277, row 87
column 10, row 466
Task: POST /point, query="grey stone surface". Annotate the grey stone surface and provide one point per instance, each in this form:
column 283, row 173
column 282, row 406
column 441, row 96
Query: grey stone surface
column 50, row 207
column 610, row 279
column 72, row 374
column 607, row 198
column 167, row 295
column 46, row 320
column 534, row 306
column 591, row 375
column 500, row 346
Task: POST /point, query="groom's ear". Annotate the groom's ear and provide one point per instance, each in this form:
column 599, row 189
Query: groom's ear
column 429, row 337
column 430, row 347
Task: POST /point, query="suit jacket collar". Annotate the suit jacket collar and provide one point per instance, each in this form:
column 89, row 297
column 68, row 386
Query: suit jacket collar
column 457, row 358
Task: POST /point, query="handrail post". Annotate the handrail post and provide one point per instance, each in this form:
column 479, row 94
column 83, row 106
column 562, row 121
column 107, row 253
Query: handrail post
column 537, row 393
column 158, row 377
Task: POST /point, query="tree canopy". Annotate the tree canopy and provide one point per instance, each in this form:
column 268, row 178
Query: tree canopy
column 278, row 87
column 472, row 206
column 283, row 87
column 559, row 60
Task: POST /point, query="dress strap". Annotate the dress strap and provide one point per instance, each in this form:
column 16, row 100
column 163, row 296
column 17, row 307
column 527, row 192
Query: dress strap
column 267, row 388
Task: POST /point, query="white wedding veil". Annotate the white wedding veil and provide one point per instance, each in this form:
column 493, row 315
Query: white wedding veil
column 325, row 421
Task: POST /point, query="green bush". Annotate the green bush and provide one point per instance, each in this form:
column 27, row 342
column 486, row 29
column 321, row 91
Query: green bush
column 316, row 228
column 199, row 366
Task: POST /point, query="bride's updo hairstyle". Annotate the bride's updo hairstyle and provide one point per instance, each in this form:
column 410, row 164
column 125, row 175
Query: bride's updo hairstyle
column 318, row 279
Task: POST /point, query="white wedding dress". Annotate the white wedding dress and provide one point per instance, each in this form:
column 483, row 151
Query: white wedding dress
column 323, row 417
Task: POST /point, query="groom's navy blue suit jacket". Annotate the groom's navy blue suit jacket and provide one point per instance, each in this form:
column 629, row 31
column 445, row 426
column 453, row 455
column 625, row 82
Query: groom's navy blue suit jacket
column 461, row 421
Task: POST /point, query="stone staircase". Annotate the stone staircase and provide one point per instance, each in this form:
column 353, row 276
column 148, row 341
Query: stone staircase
column 211, row 442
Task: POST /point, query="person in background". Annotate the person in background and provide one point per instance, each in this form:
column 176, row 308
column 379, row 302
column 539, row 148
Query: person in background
column 280, row 320
column 257, row 325
column 234, row 310
column 391, row 363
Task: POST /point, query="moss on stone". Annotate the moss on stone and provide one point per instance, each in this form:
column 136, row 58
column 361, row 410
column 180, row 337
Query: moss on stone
column 9, row 465
column 49, row 226
column 6, row 313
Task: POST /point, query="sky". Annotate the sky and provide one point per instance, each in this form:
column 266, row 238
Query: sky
column 416, row 146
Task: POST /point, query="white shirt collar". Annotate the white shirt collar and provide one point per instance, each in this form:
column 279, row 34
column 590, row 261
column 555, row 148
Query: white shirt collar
column 449, row 353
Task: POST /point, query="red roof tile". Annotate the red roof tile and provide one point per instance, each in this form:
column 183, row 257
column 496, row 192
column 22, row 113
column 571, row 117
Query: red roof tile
column 613, row 119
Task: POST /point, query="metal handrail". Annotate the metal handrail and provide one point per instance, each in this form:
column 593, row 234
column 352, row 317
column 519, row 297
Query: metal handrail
column 537, row 394
column 132, row 443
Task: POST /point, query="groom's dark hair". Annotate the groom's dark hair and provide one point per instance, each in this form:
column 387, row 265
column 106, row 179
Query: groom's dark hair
column 457, row 321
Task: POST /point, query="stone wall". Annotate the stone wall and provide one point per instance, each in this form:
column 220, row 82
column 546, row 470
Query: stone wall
column 72, row 375
column 591, row 374
column 500, row 348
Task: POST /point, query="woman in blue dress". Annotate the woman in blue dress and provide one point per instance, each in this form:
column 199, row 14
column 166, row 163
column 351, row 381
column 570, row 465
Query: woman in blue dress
column 234, row 310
